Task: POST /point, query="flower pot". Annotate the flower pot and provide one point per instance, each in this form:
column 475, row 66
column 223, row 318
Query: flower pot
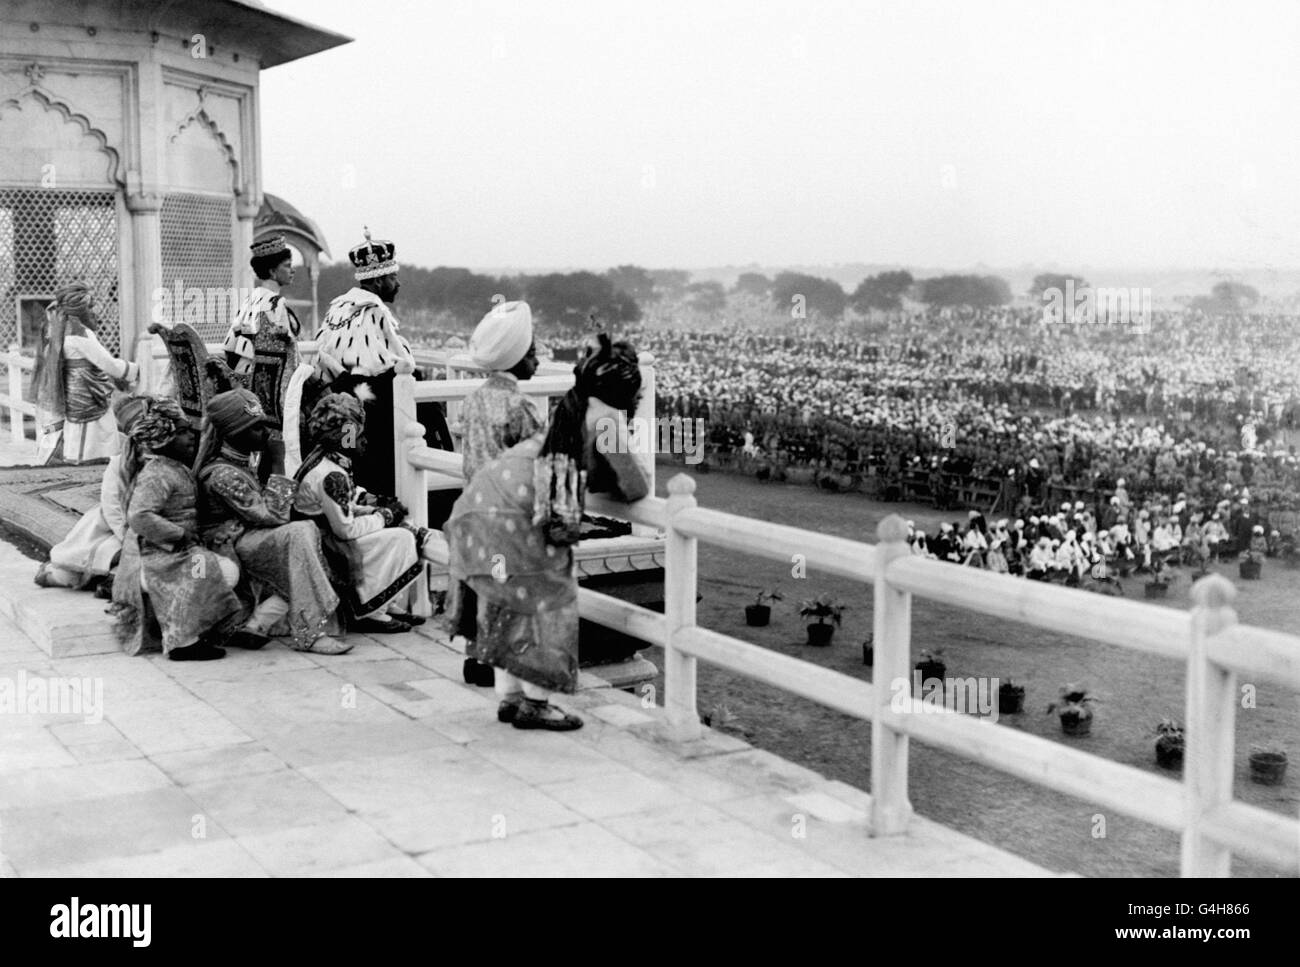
column 1011, row 699
column 758, row 615
column 1155, row 590
column 820, row 634
column 1076, row 722
column 1268, row 768
column 1249, row 570
column 931, row 669
column 868, row 653
column 1169, row 752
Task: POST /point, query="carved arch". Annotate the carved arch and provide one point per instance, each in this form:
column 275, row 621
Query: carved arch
column 50, row 102
column 201, row 117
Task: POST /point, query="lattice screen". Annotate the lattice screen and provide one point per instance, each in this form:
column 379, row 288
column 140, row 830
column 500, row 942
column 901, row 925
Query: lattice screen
column 48, row 236
column 197, row 251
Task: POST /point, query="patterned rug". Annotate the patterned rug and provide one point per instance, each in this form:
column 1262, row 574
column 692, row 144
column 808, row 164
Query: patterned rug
column 42, row 503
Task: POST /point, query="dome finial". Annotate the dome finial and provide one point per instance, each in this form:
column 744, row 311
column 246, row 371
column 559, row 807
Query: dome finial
column 365, row 230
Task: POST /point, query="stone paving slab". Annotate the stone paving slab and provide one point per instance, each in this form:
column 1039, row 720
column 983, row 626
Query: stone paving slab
column 276, row 763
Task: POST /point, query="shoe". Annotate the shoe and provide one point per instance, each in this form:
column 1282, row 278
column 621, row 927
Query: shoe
column 544, row 715
column 245, row 638
column 509, row 708
column 200, row 652
column 410, row 619
column 325, row 645
column 373, row 626
column 478, row 673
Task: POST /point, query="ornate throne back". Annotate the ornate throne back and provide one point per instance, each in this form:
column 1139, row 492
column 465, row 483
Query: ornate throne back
column 197, row 376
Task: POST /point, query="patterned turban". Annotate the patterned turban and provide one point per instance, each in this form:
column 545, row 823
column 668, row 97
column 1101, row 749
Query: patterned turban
column 162, row 420
column 75, row 298
column 331, row 416
column 127, row 410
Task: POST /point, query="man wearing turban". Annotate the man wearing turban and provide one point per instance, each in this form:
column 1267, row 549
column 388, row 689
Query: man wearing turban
column 373, row 557
column 247, row 519
column 90, row 550
column 191, row 590
column 73, row 380
column 497, row 415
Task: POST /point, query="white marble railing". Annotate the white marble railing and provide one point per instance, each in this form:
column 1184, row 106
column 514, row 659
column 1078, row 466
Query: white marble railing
column 1216, row 650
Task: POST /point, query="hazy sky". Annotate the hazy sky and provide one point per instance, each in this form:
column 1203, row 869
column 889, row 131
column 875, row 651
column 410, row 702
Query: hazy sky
column 691, row 134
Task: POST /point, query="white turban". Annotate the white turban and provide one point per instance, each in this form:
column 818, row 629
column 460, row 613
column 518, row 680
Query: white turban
column 502, row 339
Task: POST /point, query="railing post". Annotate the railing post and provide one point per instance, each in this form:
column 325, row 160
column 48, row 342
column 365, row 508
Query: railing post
column 1211, row 727
column 890, row 807
column 679, row 613
column 16, row 394
column 645, row 410
column 408, row 481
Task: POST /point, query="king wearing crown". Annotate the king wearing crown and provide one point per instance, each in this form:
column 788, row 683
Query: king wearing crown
column 272, row 263
column 361, row 349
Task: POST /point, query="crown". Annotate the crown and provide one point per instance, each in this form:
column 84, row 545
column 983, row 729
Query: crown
column 272, row 245
column 373, row 258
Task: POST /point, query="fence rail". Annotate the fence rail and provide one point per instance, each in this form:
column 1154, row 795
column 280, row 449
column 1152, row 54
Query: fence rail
column 1207, row 640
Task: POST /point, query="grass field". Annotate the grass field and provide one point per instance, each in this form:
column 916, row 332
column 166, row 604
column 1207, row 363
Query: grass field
column 1135, row 689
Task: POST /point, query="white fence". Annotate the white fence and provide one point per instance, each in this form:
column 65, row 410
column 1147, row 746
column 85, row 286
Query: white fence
column 1216, row 650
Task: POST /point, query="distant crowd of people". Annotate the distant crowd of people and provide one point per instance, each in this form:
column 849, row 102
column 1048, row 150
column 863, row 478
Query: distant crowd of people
column 1203, row 407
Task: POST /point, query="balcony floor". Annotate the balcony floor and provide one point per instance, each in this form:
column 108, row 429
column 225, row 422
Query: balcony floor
column 383, row 763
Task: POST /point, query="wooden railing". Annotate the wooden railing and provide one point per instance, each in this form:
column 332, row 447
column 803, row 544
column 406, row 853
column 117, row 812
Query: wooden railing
column 12, row 401
column 1216, row 650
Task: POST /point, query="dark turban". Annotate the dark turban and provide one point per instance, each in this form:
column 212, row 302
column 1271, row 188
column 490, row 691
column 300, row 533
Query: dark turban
column 330, row 418
column 162, row 420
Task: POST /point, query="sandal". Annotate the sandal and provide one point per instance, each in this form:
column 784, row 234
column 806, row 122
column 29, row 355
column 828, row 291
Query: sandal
column 543, row 715
column 508, row 710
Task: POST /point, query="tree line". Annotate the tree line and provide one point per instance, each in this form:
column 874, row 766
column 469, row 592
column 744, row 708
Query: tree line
column 624, row 293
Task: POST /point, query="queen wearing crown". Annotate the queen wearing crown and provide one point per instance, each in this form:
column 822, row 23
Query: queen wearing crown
column 272, row 263
column 361, row 349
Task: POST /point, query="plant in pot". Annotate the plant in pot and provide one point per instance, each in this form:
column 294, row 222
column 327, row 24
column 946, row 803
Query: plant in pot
column 1011, row 698
column 931, row 665
column 758, row 614
column 828, row 613
column 1158, row 586
column 1075, row 709
column 1267, row 764
column 1169, row 744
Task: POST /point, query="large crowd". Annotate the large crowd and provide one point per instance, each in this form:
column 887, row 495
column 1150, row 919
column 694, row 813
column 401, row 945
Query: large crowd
column 1191, row 421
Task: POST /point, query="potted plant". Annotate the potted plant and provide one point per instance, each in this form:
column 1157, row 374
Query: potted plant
column 1158, row 586
column 828, row 613
column 931, row 665
column 869, row 649
column 1011, row 698
column 1169, row 744
column 1075, row 710
column 1250, row 564
column 758, row 614
column 1267, row 764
